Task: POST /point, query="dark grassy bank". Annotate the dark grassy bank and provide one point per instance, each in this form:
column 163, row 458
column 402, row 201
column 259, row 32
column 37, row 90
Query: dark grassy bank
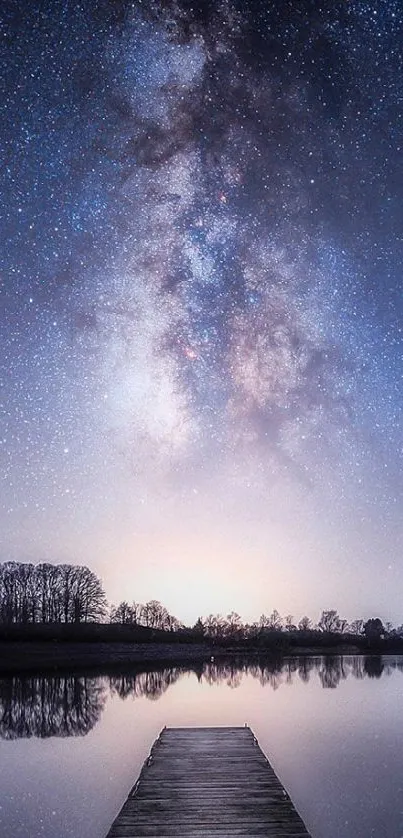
column 85, row 633
column 18, row 656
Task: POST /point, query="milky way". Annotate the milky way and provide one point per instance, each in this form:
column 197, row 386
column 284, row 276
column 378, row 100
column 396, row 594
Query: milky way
column 202, row 298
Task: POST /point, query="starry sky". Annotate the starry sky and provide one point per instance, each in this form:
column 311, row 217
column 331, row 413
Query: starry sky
column 201, row 345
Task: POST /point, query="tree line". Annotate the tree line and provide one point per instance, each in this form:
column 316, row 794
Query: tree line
column 73, row 594
column 217, row 627
column 47, row 593
column 151, row 615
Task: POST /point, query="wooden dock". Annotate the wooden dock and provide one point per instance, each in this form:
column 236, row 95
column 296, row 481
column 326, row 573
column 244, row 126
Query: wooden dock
column 206, row 782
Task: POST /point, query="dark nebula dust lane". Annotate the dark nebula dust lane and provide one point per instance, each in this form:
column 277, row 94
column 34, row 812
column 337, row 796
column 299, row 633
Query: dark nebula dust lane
column 201, row 345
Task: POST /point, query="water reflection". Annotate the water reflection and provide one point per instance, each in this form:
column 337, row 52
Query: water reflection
column 50, row 706
column 71, row 705
column 330, row 670
column 374, row 667
column 152, row 685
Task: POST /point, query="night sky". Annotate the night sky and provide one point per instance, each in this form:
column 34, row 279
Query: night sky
column 201, row 343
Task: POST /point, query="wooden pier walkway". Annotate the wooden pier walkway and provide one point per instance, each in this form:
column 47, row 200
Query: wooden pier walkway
column 206, row 782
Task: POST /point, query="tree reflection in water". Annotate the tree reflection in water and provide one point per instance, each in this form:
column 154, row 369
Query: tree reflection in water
column 374, row 666
column 152, row 685
column 330, row 670
column 71, row 705
column 50, row 706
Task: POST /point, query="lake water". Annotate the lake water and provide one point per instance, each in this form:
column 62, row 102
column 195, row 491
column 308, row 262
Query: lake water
column 71, row 747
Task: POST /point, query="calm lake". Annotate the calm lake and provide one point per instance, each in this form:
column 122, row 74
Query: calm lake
column 72, row 746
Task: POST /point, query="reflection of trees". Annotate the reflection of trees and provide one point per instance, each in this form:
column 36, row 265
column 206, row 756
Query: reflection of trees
column 373, row 666
column 305, row 667
column 231, row 672
column 218, row 673
column 357, row 666
column 70, row 705
column 332, row 670
column 291, row 668
column 274, row 673
column 50, row 706
column 152, row 685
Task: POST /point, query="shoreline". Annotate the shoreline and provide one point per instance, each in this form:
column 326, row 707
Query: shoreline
column 47, row 657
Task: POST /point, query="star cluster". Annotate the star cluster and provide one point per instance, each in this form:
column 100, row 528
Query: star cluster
column 201, row 286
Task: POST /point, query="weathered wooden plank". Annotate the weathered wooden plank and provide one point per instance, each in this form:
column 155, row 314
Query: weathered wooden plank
column 207, row 782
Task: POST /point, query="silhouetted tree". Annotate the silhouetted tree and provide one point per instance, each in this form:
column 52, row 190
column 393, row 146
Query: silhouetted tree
column 18, row 593
column 233, row 626
column 305, row 624
column 357, row 627
column 373, row 629
column 289, row 623
column 275, row 622
column 198, row 628
column 251, row 631
column 88, row 598
column 263, row 622
column 172, row 623
column 49, row 593
column 329, row 621
column 125, row 613
column 214, row 626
